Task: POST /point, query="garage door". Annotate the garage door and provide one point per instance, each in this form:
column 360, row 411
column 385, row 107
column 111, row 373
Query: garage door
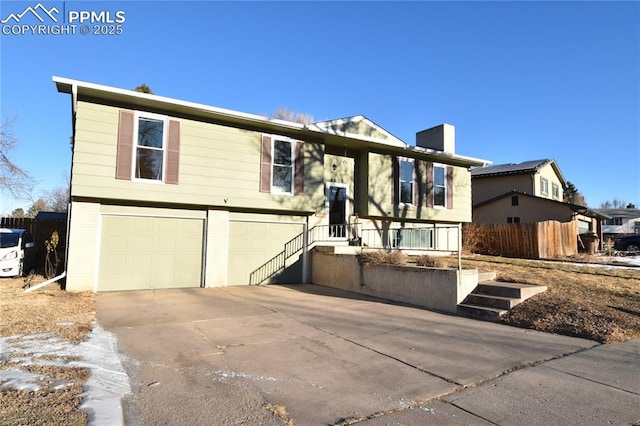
column 252, row 244
column 150, row 252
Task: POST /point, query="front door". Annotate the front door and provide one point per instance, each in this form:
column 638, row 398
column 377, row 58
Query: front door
column 338, row 202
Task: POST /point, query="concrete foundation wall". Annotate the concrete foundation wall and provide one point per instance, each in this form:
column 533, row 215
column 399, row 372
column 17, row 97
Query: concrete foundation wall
column 432, row 288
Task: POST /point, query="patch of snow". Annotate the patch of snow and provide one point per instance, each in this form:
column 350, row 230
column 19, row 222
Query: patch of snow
column 14, row 378
column 233, row 374
column 107, row 384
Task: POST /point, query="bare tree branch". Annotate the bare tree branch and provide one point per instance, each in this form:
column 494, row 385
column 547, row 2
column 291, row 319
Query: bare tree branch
column 13, row 179
column 284, row 113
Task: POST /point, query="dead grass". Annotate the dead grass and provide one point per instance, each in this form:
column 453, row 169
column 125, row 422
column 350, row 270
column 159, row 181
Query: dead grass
column 379, row 257
column 593, row 303
column 430, row 261
column 68, row 316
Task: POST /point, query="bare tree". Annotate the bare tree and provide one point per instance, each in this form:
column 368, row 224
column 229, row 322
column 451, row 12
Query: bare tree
column 17, row 212
column 283, row 113
column 13, row 179
column 57, row 199
column 40, row 205
column 616, row 203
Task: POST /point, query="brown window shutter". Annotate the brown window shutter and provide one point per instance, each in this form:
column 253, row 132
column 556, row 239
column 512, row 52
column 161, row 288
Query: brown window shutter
column 298, row 179
column 429, row 189
column 395, row 183
column 173, row 152
column 449, row 187
column 124, row 153
column 418, row 183
column 265, row 164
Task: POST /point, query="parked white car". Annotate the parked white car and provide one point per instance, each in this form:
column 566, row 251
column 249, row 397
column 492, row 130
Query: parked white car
column 17, row 252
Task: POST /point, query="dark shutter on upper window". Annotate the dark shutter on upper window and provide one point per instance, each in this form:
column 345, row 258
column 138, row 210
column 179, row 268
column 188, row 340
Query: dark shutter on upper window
column 173, row 152
column 298, row 179
column 395, row 181
column 265, row 164
column 449, row 187
column 420, row 182
column 124, row 153
column 429, row 189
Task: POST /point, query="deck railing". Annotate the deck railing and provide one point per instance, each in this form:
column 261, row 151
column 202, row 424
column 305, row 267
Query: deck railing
column 403, row 238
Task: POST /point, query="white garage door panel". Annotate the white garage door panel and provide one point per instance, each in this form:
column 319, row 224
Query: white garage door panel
column 251, row 244
column 150, row 252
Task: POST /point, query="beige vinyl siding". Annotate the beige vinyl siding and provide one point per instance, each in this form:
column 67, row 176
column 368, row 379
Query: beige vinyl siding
column 219, row 166
column 380, row 195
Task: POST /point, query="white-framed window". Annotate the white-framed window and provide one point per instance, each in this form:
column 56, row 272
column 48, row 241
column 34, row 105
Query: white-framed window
column 439, row 186
column 150, row 145
column 413, row 238
column 514, row 219
column 555, row 191
column 282, row 166
column 544, row 186
column 406, row 180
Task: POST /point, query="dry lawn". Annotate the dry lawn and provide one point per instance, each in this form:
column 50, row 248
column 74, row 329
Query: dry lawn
column 48, row 310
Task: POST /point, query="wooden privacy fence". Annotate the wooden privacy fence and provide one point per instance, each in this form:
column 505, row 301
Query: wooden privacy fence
column 41, row 229
column 541, row 240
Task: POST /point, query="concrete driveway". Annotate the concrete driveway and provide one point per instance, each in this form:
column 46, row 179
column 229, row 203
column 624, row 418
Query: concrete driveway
column 245, row 355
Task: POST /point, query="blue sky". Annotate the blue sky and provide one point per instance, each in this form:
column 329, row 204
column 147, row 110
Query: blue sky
column 519, row 80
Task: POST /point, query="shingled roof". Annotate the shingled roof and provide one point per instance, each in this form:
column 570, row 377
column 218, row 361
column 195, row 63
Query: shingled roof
column 511, row 169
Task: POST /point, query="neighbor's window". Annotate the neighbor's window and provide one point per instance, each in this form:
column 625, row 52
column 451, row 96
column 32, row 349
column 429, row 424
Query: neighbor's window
column 439, row 186
column 616, row 221
column 544, row 186
column 515, row 219
column 406, row 181
column 150, row 147
column 515, row 200
column 555, row 191
column 282, row 168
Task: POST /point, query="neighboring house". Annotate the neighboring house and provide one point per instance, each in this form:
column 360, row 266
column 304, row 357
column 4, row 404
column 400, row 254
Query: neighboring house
column 527, row 192
column 621, row 222
column 167, row 193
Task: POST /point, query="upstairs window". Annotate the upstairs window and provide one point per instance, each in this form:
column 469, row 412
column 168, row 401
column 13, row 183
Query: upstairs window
column 544, row 186
column 150, row 147
column 282, row 165
column 555, row 191
column 406, row 181
column 515, row 200
column 439, row 186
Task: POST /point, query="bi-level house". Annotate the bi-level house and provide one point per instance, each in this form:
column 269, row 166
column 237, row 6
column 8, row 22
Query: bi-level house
column 167, row 193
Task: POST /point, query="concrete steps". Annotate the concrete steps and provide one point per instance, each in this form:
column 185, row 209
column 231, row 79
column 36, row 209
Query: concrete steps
column 492, row 299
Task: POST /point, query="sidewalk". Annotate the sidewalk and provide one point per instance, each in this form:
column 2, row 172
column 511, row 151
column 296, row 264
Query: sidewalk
column 220, row 356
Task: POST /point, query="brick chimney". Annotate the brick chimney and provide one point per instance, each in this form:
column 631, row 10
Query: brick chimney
column 440, row 138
